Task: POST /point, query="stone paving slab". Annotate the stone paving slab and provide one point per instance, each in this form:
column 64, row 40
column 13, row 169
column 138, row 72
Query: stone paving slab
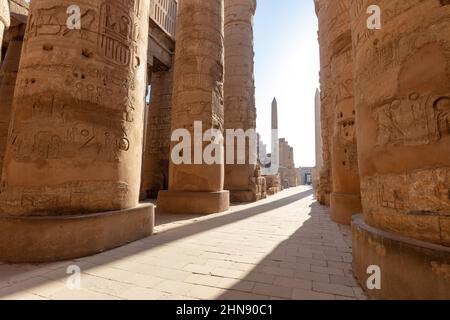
column 283, row 247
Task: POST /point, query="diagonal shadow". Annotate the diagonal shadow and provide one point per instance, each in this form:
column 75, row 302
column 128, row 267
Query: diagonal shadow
column 170, row 235
column 286, row 272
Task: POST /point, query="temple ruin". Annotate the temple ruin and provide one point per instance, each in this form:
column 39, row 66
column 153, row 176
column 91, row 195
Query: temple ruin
column 92, row 117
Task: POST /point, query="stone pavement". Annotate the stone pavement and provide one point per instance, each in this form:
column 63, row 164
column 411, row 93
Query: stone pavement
column 284, row 247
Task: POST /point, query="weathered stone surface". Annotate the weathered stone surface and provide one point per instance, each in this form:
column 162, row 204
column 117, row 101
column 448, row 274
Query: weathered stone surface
column 74, row 236
column 288, row 173
column 239, row 93
column 424, row 271
column 5, row 20
column 273, row 184
column 18, row 7
column 328, row 18
column 345, row 196
column 402, row 97
column 338, row 182
column 155, row 169
column 8, row 75
column 319, row 145
column 73, row 153
column 77, row 127
column 197, row 96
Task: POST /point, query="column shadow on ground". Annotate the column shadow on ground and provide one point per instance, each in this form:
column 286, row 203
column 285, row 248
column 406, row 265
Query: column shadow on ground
column 285, row 273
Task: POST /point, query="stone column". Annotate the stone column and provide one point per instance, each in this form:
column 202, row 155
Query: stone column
column 239, row 91
column 8, row 75
column 402, row 94
column 75, row 142
column 197, row 96
column 155, row 173
column 327, row 18
column 346, row 196
column 4, row 21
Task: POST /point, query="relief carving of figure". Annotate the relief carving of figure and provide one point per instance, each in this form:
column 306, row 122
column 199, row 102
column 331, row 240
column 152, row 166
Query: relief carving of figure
column 442, row 108
column 406, row 122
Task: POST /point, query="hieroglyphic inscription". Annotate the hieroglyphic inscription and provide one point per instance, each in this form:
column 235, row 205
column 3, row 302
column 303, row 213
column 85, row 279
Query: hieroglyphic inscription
column 413, row 120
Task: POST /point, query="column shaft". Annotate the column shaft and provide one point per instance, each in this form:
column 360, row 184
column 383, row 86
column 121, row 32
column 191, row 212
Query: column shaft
column 239, row 89
column 327, row 16
column 72, row 165
column 155, row 173
column 402, row 94
column 345, row 198
column 8, row 76
column 197, row 96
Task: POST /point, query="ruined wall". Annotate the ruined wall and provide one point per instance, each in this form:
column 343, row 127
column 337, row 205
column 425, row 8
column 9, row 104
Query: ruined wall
column 197, row 97
column 8, row 76
column 5, row 21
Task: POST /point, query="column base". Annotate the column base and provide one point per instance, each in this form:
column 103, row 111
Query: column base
column 184, row 202
column 410, row 269
column 344, row 206
column 44, row 239
column 244, row 196
column 273, row 191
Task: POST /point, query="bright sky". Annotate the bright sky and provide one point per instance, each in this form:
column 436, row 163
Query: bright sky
column 287, row 67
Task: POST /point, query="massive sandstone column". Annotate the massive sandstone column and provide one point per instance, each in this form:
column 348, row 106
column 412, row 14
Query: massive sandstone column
column 327, row 17
column 4, row 20
column 8, row 75
column 75, row 141
column 345, row 198
column 239, row 92
column 402, row 93
column 155, row 172
column 197, row 96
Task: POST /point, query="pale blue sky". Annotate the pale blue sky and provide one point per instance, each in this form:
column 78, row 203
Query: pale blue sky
column 287, row 67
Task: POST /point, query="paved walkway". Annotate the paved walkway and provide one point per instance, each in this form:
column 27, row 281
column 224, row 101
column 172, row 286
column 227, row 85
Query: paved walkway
column 284, row 247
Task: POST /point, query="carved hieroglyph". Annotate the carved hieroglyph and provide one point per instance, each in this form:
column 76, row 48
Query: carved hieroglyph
column 288, row 173
column 239, row 91
column 330, row 27
column 345, row 198
column 75, row 142
column 198, row 87
column 155, row 169
column 402, row 95
column 8, row 75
